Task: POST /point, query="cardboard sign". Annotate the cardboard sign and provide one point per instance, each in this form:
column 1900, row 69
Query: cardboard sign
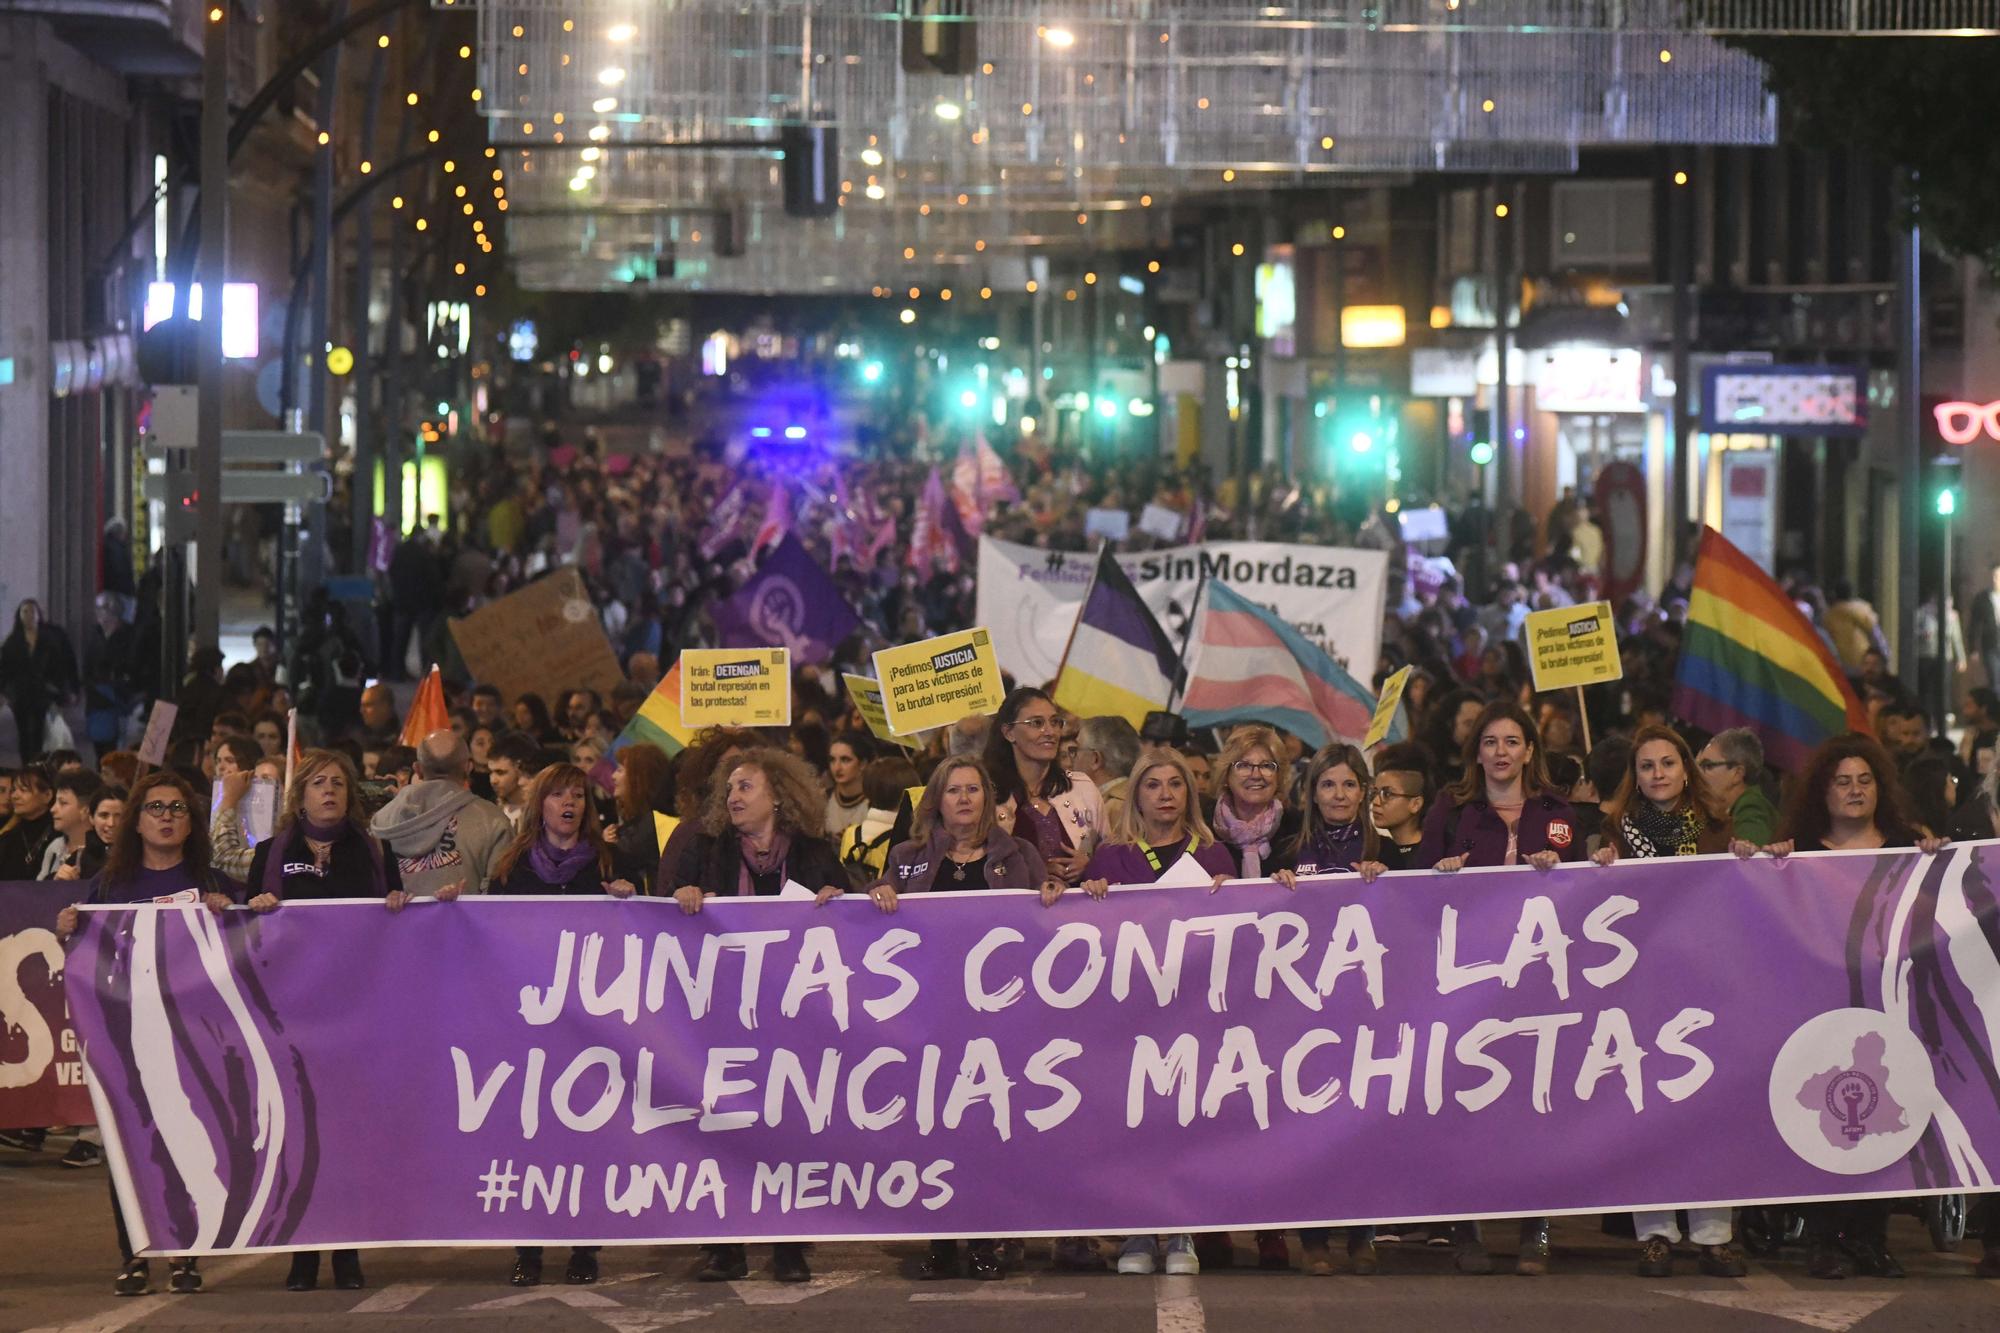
column 736, row 687
column 541, row 639
column 867, row 695
column 1573, row 645
column 1162, row 522
column 938, row 681
column 159, row 726
column 1114, row 525
column 1385, row 709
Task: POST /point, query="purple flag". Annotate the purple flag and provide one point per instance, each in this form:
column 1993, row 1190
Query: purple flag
column 1492, row 1043
column 789, row 603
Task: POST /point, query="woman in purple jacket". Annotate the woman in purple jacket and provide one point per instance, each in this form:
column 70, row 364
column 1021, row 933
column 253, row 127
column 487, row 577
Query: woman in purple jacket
column 959, row 847
column 1503, row 811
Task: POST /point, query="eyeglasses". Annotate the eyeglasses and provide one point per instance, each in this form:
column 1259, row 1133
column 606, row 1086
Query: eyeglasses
column 165, row 809
column 1247, row 767
column 1390, row 794
column 1048, row 723
column 1710, row 765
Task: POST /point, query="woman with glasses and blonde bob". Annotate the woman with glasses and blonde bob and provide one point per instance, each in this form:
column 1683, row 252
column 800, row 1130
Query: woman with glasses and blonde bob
column 1159, row 824
column 160, row 854
column 1252, row 819
column 323, row 849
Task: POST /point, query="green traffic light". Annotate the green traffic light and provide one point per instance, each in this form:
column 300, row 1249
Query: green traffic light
column 1481, row 453
column 872, row 372
column 1947, row 502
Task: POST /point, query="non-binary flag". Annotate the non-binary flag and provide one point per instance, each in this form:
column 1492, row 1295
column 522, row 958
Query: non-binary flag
column 658, row 721
column 789, row 603
column 427, row 711
column 1250, row 666
column 1750, row 658
column 1120, row 662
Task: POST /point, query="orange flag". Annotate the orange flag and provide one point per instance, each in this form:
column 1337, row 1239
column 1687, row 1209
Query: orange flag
column 427, row 711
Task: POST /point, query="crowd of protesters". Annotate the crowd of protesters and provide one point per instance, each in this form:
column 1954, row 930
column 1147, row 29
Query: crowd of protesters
column 528, row 795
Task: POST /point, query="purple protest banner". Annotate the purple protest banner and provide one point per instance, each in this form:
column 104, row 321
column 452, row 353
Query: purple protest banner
column 1654, row 1034
column 41, row 1074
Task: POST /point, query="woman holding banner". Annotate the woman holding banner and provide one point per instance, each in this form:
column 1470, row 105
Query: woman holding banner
column 1338, row 838
column 558, row 849
column 759, row 833
column 1661, row 808
column 1502, row 811
column 1058, row 811
column 959, row 847
column 1159, row 827
column 159, row 854
column 1848, row 799
column 322, row 849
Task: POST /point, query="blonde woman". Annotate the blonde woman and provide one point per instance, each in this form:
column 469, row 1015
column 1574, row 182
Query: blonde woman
column 1253, row 819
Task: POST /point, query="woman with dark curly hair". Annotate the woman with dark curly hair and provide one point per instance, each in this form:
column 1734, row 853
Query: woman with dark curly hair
column 1848, row 799
column 759, row 831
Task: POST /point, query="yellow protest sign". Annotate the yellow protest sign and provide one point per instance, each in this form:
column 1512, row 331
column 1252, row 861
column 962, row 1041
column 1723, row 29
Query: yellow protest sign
column 867, row 695
column 663, row 827
column 1385, row 709
column 1573, row 646
column 736, row 687
column 938, row 681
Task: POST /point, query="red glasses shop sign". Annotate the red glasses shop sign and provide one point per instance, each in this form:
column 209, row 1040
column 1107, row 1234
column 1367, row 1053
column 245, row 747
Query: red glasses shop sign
column 1962, row 423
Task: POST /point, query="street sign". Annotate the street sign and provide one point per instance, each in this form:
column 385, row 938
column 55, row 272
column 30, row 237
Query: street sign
column 258, row 446
column 247, row 487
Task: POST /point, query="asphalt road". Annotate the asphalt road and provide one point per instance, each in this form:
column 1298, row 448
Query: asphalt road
column 58, row 1257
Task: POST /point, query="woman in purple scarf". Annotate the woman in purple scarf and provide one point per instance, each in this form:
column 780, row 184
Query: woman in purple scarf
column 323, row 849
column 559, row 849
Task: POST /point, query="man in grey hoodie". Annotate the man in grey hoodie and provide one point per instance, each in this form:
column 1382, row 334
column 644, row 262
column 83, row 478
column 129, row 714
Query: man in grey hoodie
column 444, row 838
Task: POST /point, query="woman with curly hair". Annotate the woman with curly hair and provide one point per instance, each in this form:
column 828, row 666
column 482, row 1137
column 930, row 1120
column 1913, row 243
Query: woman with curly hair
column 694, row 774
column 1848, row 799
column 759, row 831
column 1252, row 817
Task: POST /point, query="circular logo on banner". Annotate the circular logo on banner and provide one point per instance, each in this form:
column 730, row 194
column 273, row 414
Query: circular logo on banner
column 576, row 610
column 1852, row 1091
column 778, row 614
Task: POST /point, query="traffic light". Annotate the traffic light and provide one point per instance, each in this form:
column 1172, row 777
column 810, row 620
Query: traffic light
column 1481, row 453
column 1947, row 501
column 871, row 373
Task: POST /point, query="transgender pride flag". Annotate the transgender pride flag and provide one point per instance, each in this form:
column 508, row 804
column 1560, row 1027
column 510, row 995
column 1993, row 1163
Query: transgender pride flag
column 1250, row 666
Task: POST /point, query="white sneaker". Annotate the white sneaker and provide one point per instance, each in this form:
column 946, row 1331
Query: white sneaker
column 1136, row 1257
column 1181, row 1260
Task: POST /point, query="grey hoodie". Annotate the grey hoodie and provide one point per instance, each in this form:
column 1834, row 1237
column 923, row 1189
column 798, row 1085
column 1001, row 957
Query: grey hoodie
column 441, row 834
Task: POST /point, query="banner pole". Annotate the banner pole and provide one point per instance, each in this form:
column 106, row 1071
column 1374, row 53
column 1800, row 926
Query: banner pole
column 1187, row 639
column 1584, row 713
column 1089, row 588
column 291, row 750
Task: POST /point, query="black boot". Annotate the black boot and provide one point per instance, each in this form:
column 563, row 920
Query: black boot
column 527, row 1268
column 726, row 1263
column 347, row 1270
column 1469, row 1254
column 941, row 1264
column 582, row 1270
column 1533, row 1259
column 982, row 1261
column 788, row 1262
column 134, row 1279
column 1827, row 1261
column 183, row 1278
column 305, row 1271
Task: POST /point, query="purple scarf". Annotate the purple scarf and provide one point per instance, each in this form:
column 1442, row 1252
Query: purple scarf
column 286, row 847
column 764, row 864
column 555, row 866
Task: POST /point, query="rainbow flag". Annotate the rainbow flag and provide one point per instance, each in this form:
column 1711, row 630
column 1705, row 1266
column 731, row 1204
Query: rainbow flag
column 658, row 721
column 1250, row 666
column 1750, row 658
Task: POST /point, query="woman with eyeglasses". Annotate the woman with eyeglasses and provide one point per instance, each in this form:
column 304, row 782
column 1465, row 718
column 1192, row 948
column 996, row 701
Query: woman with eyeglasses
column 1159, row 824
column 1848, row 799
column 1398, row 802
column 322, row 849
column 1502, row 811
column 158, row 855
column 1251, row 817
column 959, row 847
column 1058, row 811
column 1661, row 808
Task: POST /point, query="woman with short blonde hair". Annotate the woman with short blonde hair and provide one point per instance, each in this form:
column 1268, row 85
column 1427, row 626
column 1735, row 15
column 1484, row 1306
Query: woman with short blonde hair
column 1253, row 820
